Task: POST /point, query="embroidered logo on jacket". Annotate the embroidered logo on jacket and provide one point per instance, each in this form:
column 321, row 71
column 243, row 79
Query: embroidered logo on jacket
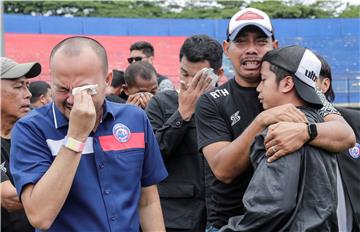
column 121, row 132
column 355, row 151
column 235, row 118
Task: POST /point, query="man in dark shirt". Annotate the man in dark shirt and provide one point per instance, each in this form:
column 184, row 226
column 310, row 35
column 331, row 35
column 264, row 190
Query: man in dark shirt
column 140, row 83
column 348, row 161
column 15, row 103
column 228, row 119
column 144, row 51
column 182, row 194
column 297, row 192
column 115, row 92
column 40, row 94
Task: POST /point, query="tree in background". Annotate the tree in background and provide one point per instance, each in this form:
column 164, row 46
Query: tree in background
column 351, row 12
column 181, row 9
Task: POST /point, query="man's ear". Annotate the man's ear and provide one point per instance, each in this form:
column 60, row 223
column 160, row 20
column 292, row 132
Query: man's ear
column 109, row 78
column 275, row 44
column 226, row 45
column 151, row 59
column 43, row 99
column 126, row 89
column 325, row 84
column 287, row 84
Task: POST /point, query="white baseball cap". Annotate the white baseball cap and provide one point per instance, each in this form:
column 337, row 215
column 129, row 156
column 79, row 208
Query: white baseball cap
column 247, row 17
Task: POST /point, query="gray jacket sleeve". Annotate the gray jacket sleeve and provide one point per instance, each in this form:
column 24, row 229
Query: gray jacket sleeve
column 271, row 195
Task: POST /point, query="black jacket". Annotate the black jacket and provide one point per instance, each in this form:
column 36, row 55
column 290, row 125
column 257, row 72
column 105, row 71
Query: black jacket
column 182, row 194
column 349, row 165
column 11, row 221
column 295, row 193
column 115, row 98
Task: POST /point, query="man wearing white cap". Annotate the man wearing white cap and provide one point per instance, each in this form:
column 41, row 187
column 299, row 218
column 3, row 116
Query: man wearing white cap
column 229, row 118
column 15, row 103
column 297, row 192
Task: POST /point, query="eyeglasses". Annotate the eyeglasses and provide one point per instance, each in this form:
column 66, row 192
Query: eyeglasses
column 136, row 58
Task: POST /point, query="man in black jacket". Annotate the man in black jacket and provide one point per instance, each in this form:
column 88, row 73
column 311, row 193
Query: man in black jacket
column 348, row 160
column 298, row 191
column 115, row 91
column 182, row 194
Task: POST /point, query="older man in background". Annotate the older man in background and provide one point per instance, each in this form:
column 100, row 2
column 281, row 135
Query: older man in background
column 15, row 103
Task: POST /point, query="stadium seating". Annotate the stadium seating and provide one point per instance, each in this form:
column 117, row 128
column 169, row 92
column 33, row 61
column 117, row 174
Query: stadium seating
column 32, row 37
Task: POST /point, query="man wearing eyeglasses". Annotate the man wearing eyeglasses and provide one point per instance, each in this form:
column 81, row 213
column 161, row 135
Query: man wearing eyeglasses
column 144, row 51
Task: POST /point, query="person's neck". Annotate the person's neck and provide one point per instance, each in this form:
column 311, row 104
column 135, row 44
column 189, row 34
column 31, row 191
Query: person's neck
column 36, row 104
column 98, row 118
column 7, row 124
column 292, row 99
column 243, row 83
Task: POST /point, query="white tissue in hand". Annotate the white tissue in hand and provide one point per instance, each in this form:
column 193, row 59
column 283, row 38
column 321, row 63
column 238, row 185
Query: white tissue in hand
column 214, row 77
column 91, row 89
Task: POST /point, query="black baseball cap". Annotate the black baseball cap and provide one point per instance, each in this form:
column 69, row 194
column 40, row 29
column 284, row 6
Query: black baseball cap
column 305, row 66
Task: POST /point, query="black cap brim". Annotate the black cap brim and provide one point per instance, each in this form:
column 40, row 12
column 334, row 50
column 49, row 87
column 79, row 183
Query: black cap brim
column 34, row 71
column 28, row 70
column 307, row 93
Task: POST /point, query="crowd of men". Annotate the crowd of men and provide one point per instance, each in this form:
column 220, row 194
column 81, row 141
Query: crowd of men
column 100, row 150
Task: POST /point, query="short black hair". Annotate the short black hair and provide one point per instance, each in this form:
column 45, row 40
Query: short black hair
column 142, row 69
column 144, row 46
column 199, row 48
column 74, row 45
column 37, row 88
column 118, row 78
column 280, row 73
column 325, row 72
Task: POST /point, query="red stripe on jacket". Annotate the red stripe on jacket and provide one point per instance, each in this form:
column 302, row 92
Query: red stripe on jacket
column 110, row 143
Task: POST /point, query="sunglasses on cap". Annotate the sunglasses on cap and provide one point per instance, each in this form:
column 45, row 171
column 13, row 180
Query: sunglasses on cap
column 136, row 58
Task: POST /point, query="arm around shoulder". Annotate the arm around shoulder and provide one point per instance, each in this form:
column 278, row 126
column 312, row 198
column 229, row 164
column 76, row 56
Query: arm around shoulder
column 334, row 135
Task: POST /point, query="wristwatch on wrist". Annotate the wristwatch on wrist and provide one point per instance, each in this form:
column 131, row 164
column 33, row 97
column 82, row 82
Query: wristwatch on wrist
column 73, row 144
column 312, row 130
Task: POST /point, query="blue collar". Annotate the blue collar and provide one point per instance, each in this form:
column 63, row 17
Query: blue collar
column 60, row 120
column 108, row 110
